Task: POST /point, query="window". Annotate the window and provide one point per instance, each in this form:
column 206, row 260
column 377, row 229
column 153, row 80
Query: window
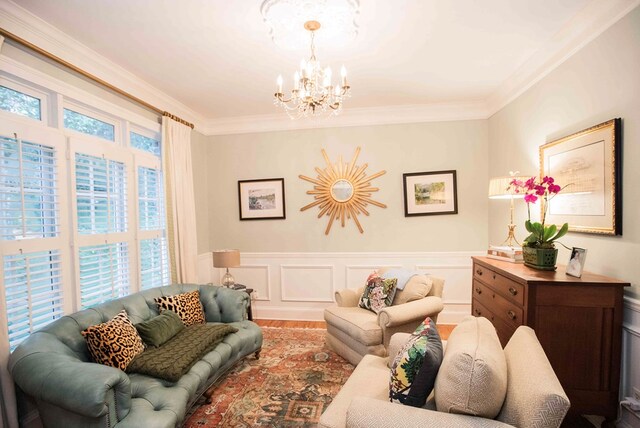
column 20, row 103
column 101, row 195
column 104, row 273
column 28, row 204
column 89, row 125
column 145, row 143
column 154, row 263
column 33, row 292
column 150, row 199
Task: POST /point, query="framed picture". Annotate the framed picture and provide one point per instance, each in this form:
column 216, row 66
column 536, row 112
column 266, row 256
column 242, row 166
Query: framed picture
column 576, row 262
column 430, row 193
column 261, row 199
column 587, row 167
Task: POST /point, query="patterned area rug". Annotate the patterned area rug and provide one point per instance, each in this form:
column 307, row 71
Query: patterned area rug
column 291, row 384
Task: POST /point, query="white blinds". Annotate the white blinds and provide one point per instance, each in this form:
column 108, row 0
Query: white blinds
column 154, row 263
column 101, row 195
column 150, row 199
column 104, row 273
column 28, row 204
column 33, row 292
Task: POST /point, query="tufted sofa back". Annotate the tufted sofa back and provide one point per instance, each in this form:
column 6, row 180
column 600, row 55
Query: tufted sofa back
column 64, row 336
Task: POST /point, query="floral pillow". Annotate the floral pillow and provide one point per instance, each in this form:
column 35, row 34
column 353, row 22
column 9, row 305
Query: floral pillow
column 415, row 367
column 378, row 293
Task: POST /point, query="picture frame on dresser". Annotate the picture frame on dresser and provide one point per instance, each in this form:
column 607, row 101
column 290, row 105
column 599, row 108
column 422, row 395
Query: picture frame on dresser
column 261, row 199
column 587, row 166
column 430, row 193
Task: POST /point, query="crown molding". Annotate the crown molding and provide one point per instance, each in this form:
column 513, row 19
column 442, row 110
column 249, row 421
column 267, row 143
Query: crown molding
column 19, row 21
column 436, row 112
column 592, row 21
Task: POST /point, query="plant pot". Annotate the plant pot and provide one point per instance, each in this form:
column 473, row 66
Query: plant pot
column 540, row 258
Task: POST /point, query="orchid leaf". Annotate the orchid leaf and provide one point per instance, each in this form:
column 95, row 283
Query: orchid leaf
column 527, row 225
column 563, row 231
column 549, row 232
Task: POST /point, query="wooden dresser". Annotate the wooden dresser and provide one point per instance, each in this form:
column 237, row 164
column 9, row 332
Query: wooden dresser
column 577, row 320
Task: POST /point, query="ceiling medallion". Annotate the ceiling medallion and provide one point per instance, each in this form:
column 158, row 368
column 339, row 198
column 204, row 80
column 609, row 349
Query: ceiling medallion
column 313, row 91
column 286, row 18
column 342, row 191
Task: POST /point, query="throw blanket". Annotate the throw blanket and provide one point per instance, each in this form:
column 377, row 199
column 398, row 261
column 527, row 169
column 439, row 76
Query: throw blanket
column 175, row 357
column 403, row 276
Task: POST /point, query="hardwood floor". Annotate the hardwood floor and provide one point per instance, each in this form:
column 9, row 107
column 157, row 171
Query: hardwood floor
column 443, row 329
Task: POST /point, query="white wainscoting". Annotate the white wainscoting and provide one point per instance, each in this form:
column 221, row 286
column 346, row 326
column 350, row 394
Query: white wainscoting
column 630, row 373
column 298, row 286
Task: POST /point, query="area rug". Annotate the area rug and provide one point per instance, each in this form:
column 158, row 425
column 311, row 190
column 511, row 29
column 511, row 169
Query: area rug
column 291, row 384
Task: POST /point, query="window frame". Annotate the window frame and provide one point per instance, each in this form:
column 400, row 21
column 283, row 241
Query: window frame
column 32, row 92
column 94, row 114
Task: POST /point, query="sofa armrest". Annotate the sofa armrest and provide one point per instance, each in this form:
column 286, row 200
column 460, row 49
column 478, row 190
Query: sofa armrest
column 410, row 312
column 348, row 297
column 223, row 304
column 371, row 413
column 84, row 388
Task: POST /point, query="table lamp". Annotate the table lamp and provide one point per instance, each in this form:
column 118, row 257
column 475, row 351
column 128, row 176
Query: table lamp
column 226, row 259
column 500, row 188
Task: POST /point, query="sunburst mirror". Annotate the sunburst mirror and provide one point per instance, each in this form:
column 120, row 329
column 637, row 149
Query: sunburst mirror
column 342, row 191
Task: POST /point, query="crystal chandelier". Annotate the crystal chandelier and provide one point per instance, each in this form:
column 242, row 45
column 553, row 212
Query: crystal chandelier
column 313, row 90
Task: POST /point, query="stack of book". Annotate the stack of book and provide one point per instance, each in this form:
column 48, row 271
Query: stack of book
column 506, row 253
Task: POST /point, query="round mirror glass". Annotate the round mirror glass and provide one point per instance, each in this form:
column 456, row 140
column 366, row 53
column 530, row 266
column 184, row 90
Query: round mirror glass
column 342, row 190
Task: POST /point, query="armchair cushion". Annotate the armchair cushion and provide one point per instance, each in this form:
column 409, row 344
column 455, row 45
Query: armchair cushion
column 417, row 288
column 359, row 324
column 473, row 374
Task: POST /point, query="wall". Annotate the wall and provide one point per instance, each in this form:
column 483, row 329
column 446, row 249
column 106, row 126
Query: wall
column 597, row 84
column 201, row 165
column 286, row 251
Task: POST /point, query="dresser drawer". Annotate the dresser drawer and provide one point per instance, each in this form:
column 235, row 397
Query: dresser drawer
column 512, row 290
column 501, row 307
column 503, row 329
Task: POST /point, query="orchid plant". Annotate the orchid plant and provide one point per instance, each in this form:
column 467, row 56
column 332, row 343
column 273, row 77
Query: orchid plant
column 541, row 235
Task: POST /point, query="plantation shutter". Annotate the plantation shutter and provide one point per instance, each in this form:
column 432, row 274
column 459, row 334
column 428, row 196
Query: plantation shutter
column 154, row 263
column 150, row 199
column 33, row 291
column 104, row 273
column 28, row 205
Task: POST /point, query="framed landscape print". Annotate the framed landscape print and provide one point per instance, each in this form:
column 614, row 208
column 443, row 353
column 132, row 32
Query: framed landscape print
column 261, row 199
column 586, row 165
column 430, row 193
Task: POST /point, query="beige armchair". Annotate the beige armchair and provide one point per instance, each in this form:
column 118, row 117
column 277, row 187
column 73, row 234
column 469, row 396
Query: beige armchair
column 353, row 332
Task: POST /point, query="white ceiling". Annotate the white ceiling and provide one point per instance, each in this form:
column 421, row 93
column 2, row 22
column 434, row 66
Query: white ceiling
column 216, row 57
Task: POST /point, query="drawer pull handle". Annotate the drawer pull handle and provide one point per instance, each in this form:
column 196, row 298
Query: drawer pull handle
column 513, row 291
column 478, row 312
column 479, row 272
column 511, row 315
column 494, row 276
column 478, row 290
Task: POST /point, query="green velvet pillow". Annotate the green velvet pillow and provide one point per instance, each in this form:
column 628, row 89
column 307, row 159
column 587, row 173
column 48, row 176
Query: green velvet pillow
column 159, row 329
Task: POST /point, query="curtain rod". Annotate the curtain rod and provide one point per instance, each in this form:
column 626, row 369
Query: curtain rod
column 90, row 76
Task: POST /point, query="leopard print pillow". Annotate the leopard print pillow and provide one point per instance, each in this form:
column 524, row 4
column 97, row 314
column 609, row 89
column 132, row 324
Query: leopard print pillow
column 114, row 343
column 186, row 305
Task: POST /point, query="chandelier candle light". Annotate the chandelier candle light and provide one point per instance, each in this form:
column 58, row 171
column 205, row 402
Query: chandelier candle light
column 312, row 86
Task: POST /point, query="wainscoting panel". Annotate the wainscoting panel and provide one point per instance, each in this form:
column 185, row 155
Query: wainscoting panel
column 299, row 286
column 306, row 283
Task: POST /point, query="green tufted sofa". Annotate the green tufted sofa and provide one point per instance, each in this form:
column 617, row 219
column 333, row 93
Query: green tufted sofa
column 53, row 366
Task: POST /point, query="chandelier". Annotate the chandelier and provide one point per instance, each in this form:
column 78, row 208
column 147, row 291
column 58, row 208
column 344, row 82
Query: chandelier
column 313, row 90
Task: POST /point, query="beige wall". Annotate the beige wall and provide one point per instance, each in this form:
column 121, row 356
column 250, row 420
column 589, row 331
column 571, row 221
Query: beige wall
column 598, row 83
column 201, row 165
column 398, row 149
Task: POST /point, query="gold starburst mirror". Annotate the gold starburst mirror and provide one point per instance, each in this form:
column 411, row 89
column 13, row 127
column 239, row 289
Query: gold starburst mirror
column 342, row 191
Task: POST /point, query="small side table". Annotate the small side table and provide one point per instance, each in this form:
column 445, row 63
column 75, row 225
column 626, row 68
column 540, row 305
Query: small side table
column 247, row 290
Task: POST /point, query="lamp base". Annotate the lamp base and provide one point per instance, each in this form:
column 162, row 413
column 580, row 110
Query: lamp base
column 228, row 280
column 511, row 238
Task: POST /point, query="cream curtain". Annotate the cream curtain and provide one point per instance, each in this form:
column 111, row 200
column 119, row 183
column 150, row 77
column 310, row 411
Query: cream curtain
column 180, row 200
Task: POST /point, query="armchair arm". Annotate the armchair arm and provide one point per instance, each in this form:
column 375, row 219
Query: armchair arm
column 84, row 388
column 348, row 297
column 371, row 413
column 417, row 310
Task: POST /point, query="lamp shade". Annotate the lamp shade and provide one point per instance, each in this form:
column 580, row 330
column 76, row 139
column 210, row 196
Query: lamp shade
column 499, row 187
column 226, row 258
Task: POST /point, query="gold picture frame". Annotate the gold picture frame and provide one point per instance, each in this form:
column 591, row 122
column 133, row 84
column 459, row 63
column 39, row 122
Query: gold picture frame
column 587, row 166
